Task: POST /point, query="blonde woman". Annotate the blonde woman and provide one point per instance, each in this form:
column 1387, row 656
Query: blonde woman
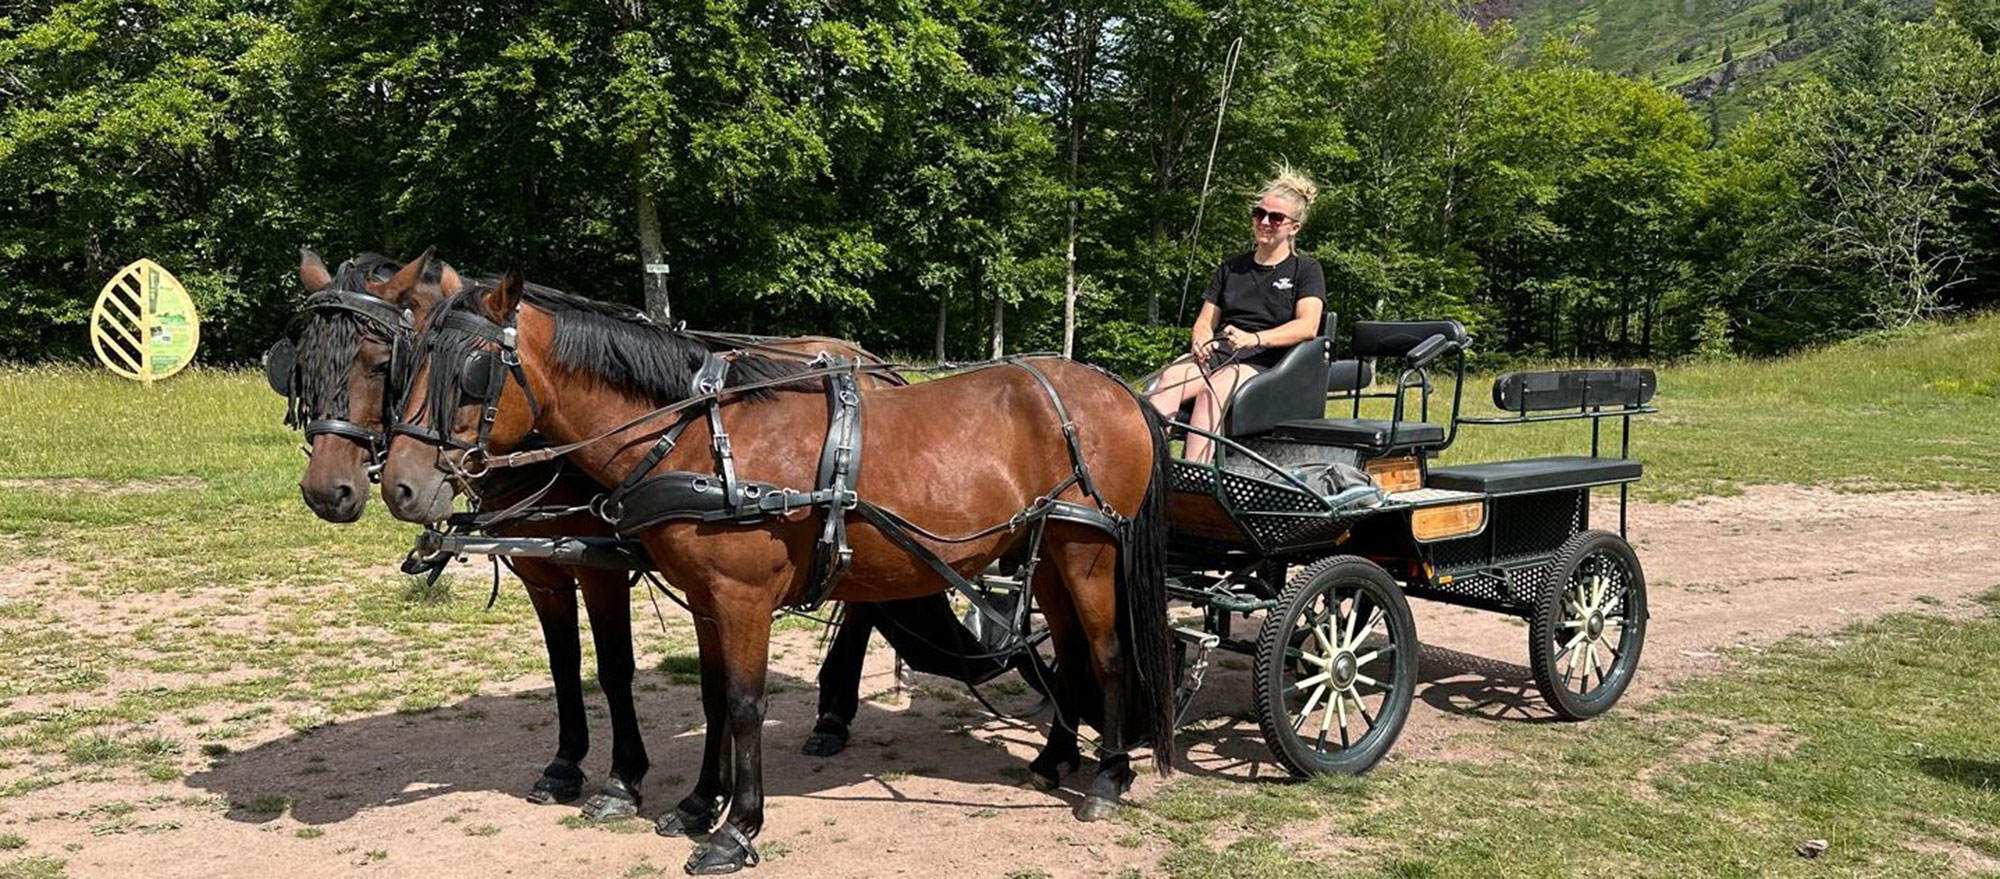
column 1257, row 306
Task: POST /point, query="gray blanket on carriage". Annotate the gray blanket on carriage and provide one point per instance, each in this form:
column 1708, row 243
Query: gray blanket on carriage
column 1343, row 485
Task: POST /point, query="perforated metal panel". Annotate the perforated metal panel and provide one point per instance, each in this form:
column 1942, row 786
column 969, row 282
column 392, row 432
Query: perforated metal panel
column 1276, row 513
column 1518, row 528
column 1190, row 477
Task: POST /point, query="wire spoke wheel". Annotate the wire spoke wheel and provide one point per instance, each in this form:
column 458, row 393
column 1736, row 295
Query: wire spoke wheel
column 1589, row 626
column 1336, row 668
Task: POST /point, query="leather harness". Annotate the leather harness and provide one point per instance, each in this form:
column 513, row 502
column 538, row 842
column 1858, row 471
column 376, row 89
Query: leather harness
column 646, row 498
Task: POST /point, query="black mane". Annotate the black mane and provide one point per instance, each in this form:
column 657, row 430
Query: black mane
column 625, row 349
column 330, row 342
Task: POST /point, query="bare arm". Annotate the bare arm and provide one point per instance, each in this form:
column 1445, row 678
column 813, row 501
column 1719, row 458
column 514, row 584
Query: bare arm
column 1204, row 328
column 1303, row 325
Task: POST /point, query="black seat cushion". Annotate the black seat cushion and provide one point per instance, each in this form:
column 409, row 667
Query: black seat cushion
column 1361, row 433
column 1534, row 474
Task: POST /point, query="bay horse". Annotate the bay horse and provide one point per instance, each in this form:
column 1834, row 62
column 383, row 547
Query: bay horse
column 949, row 456
column 340, row 391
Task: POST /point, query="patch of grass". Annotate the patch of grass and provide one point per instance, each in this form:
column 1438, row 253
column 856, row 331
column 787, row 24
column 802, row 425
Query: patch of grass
column 309, row 832
column 266, row 804
column 33, row 868
column 681, row 668
column 12, row 842
column 483, row 830
column 1878, row 739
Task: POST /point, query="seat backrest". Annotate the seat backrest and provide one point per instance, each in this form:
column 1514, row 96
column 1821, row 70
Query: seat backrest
column 1347, row 376
column 1395, row 338
column 1291, row 390
column 1574, row 389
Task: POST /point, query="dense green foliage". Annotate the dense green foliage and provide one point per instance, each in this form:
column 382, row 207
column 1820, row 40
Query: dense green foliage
column 907, row 174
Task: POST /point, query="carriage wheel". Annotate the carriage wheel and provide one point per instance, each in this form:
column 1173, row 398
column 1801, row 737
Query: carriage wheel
column 1589, row 625
column 1336, row 667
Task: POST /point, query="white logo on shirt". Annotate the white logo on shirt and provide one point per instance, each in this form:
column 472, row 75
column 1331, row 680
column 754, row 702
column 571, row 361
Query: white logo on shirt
column 1282, row 283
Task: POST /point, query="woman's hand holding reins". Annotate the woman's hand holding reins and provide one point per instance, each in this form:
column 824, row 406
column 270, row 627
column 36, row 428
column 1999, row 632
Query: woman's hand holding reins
column 1240, row 339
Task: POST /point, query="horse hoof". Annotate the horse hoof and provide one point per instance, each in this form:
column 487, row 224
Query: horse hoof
column 722, row 853
column 610, row 805
column 550, row 790
column 1096, row 809
column 1046, row 775
column 824, row 744
column 683, row 823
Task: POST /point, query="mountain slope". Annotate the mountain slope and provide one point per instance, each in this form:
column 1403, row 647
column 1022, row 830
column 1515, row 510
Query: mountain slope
column 1728, row 50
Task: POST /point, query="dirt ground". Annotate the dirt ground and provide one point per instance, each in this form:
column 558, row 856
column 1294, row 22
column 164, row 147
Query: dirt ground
column 438, row 794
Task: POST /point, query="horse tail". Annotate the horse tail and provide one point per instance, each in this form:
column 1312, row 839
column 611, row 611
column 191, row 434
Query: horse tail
column 1142, row 583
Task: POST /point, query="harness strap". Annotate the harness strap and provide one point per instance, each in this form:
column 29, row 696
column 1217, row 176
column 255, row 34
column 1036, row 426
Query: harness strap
column 536, row 456
column 839, row 472
column 887, row 525
column 1081, row 469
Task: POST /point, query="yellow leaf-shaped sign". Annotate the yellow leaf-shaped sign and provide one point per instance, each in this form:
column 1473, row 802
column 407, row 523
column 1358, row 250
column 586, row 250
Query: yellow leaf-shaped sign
column 144, row 326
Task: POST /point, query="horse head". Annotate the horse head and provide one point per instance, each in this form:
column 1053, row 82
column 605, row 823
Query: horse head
column 344, row 373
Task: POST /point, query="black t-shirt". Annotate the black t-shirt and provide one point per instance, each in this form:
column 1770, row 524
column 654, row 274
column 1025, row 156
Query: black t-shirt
column 1256, row 297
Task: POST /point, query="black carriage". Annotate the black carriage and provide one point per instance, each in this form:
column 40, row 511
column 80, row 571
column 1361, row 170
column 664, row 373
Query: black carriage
column 1283, row 525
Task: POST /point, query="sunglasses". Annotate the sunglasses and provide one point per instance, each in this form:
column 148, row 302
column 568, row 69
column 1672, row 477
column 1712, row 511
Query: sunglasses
column 1259, row 215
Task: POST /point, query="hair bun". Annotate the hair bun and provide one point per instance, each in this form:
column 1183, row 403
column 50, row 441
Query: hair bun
column 1290, row 181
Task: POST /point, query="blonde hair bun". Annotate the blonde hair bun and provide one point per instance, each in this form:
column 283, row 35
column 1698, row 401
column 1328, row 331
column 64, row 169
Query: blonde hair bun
column 1294, row 185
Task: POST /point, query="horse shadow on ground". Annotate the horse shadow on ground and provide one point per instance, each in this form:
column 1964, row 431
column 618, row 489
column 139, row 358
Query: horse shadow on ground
column 500, row 743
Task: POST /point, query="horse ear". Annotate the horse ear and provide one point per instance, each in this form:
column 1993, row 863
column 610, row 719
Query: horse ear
column 430, row 286
column 399, row 286
column 449, row 283
column 505, row 298
column 312, row 271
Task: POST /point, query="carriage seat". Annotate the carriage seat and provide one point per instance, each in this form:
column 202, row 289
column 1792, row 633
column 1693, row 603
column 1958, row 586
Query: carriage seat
column 1367, row 435
column 1534, row 474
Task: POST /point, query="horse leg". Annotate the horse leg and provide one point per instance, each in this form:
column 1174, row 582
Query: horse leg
column 1089, row 571
column 840, row 681
column 553, row 593
column 743, row 627
column 1060, row 751
column 608, row 596
column 696, row 813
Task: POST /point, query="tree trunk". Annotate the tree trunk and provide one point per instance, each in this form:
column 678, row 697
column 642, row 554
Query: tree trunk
column 1083, row 44
column 999, row 327
column 652, row 258
column 944, row 312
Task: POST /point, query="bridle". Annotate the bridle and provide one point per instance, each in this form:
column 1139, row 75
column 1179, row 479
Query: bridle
column 482, row 376
column 392, row 323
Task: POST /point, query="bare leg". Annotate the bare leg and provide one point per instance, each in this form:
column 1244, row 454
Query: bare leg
column 1179, row 382
column 1209, row 403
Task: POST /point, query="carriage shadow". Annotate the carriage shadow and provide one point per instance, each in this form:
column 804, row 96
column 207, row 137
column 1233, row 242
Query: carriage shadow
column 1469, row 685
column 1449, row 681
column 499, row 744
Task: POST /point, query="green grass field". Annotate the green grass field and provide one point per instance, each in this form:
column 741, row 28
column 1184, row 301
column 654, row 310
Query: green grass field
column 122, row 497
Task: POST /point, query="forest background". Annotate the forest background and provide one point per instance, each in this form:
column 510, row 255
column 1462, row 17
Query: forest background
column 1614, row 179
